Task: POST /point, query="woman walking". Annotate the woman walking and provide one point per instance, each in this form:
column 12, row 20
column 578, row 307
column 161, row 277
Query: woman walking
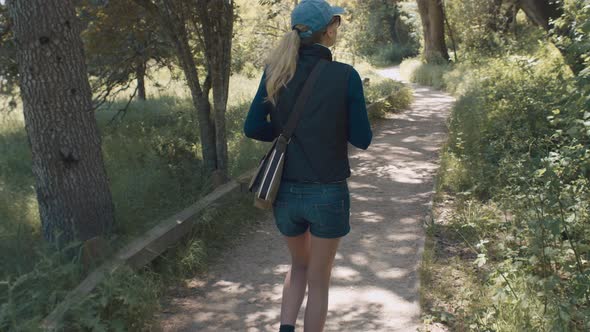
column 312, row 207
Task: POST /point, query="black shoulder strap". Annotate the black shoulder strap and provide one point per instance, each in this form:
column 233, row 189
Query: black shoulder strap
column 302, row 99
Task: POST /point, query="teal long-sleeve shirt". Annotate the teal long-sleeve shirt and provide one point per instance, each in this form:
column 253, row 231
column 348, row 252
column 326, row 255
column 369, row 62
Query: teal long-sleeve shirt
column 257, row 126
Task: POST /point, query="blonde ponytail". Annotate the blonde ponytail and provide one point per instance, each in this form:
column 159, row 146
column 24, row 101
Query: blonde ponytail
column 281, row 65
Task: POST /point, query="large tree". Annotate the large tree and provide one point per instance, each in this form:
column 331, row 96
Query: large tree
column 214, row 23
column 432, row 15
column 209, row 23
column 71, row 182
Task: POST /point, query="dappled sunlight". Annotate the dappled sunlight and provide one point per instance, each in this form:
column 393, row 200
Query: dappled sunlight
column 343, row 273
column 407, row 221
column 357, row 309
column 280, row 269
column 367, row 216
column 375, row 277
column 358, row 259
column 355, row 185
column 392, row 273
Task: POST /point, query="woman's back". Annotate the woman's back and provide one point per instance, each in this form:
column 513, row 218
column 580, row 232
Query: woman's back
column 319, row 148
column 334, row 115
column 312, row 206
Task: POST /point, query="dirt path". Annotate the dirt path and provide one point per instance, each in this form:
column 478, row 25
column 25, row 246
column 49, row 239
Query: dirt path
column 374, row 280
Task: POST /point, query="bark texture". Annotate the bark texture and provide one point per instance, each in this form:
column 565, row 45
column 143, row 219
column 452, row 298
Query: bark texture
column 216, row 19
column 71, row 181
column 541, row 11
column 173, row 16
column 432, row 16
column 140, row 73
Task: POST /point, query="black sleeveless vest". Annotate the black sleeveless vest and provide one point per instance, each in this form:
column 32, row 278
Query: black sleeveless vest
column 318, row 151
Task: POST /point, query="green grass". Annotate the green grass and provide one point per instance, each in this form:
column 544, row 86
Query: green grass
column 153, row 160
column 398, row 97
column 154, row 163
column 414, row 70
column 384, row 95
column 497, row 258
column 459, row 288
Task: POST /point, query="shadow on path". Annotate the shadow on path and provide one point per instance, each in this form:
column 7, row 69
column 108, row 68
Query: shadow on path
column 375, row 279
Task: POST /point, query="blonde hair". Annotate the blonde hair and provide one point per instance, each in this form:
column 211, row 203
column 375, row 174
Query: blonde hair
column 282, row 61
column 281, row 64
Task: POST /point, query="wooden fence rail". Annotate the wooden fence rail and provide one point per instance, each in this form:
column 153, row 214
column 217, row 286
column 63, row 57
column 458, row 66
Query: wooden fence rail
column 153, row 243
column 145, row 248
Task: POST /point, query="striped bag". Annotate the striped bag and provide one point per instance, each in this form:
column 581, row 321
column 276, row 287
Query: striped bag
column 265, row 183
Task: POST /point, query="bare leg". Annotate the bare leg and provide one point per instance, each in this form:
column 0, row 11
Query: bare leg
column 296, row 279
column 319, row 271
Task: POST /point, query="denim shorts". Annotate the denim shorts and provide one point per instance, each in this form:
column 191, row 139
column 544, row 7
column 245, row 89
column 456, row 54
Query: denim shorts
column 324, row 208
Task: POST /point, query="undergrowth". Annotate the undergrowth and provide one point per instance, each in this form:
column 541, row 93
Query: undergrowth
column 153, row 158
column 510, row 250
column 387, row 96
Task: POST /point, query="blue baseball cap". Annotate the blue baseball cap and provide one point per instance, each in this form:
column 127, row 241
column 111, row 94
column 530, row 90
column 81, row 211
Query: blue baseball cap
column 315, row 14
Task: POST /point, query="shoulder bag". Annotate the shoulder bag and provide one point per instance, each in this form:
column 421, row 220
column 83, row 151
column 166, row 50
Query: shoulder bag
column 265, row 183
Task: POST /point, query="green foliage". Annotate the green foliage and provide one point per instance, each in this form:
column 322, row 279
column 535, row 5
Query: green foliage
column 124, row 301
column 471, row 23
column 8, row 66
column 386, row 88
column 571, row 32
column 154, row 164
column 474, row 283
column 17, row 199
column 519, row 144
column 384, row 32
column 495, row 124
column 26, row 297
column 257, row 31
column 119, row 41
column 387, row 96
column 420, row 72
column 153, row 158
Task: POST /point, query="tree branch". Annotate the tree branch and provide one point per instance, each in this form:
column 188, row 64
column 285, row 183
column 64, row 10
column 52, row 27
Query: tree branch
column 123, row 110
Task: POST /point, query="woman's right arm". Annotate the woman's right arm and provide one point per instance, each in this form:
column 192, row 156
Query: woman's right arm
column 257, row 125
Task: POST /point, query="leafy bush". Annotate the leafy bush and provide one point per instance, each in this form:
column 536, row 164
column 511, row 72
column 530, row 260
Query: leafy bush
column 124, row 301
column 25, row 297
column 387, row 88
column 387, row 96
column 384, row 32
column 502, row 116
column 519, row 137
column 154, row 166
column 417, row 71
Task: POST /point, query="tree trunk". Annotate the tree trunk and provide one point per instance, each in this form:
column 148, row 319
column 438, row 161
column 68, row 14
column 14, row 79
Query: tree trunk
column 451, row 35
column 541, row 11
column 71, row 181
column 174, row 22
column 216, row 18
column 140, row 73
column 431, row 13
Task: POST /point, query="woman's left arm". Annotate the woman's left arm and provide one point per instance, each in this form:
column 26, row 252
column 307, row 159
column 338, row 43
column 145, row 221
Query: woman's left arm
column 257, row 125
